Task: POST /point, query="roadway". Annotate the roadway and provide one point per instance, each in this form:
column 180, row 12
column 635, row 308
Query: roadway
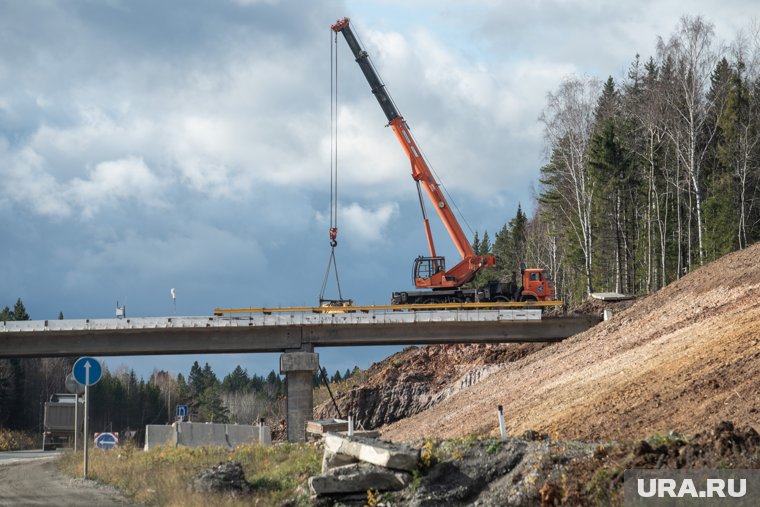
column 32, row 478
column 281, row 332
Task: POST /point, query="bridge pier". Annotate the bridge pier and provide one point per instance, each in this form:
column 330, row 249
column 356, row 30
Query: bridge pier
column 299, row 368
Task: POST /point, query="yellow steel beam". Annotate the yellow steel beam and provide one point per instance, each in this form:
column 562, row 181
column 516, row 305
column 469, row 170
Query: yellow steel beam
column 377, row 308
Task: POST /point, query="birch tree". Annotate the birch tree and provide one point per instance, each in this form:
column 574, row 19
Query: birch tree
column 568, row 120
column 691, row 50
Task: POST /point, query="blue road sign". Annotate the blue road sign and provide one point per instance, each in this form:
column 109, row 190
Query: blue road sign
column 106, row 440
column 87, row 371
column 181, row 410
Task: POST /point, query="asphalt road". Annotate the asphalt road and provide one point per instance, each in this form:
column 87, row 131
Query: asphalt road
column 15, row 456
column 31, row 478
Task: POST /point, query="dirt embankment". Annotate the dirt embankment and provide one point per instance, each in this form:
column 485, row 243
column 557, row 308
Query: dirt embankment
column 416, row 379
column 684, row 358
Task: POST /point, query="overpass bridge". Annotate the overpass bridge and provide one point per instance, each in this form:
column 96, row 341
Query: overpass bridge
column 293, row 332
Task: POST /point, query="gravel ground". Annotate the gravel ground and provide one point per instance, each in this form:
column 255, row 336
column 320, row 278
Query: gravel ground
column 37, row 482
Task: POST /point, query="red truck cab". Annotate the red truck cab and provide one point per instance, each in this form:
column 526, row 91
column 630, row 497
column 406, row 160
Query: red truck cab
column 537, row 286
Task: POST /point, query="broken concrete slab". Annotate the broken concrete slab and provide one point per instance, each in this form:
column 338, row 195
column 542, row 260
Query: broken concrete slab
column 377, row 452
column 332, row 460
column 610, row 296
column 358, row 478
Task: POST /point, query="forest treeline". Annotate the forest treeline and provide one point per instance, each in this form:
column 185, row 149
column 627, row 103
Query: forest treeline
column 649, row 177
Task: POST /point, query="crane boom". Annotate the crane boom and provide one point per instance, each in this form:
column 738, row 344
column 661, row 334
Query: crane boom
column 430, row 271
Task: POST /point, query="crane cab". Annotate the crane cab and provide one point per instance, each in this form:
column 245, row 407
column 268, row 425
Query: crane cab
column 427, row 267
column 430, row 273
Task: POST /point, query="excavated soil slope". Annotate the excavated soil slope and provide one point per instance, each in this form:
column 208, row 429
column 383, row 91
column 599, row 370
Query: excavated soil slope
column 415, row 379
column 684, row 359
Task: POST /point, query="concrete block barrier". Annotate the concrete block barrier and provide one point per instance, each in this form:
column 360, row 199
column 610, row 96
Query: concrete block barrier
column 206, row 434
column 156, row 435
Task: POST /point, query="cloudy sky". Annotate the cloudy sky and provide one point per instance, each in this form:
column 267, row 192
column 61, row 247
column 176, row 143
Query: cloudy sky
column 152, row 145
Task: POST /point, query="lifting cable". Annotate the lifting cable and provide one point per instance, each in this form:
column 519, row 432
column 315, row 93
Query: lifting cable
column 331, row 263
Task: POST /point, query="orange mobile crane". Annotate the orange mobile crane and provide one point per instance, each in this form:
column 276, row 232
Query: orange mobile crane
column 430, row 271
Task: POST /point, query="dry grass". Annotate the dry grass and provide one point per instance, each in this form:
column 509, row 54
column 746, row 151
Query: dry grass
column 18, row 440
column 162, row 476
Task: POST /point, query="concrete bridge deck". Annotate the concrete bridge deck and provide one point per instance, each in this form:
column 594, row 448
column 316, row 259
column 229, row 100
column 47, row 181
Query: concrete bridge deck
column 280, row 332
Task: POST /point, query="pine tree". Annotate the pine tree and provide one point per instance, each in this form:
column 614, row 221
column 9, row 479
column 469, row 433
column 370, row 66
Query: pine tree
column 518, row 237
column 19, row 312
column 237, row 381
column 485, row 245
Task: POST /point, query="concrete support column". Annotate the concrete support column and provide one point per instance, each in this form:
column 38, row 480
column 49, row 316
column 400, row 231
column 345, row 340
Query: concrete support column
column 299, row 368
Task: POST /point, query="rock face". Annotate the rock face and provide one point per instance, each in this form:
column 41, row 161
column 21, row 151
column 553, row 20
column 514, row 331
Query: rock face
column 416, row 379
column 226, row 477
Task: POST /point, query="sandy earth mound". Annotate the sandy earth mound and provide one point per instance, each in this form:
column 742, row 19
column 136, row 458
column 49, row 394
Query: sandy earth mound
column 684, row 358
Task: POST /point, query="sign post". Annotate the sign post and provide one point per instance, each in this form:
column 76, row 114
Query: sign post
column 75, row 387
column 86, row 371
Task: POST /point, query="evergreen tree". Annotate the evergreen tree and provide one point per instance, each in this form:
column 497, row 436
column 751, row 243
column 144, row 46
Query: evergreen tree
column 236, row 381
column 60, row 315
column 210, row 406
column 257, row 383
column 19, row 312
column 476, row 244
column 273, row 387
column 201, row 379
column 723, row 206
column 611, row 166
column 485, row 245
column 518, row 238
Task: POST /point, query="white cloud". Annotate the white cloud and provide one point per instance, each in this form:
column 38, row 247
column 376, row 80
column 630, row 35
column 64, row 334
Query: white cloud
column 367, row 225
column 115, row 181
column 25, row 180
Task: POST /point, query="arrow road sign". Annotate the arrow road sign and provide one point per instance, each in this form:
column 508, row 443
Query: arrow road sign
column 181, row 410
column 106, row 440
column 87, row 371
